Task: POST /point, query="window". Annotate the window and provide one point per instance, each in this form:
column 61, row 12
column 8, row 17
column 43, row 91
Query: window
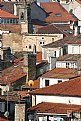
column 54, row 53
column 59, row 81
column 42, row 37
column 58, row 14
column 22, row 16
column 46, row 82
column 41, row 43
column 8, row 21
column 29, row 46
column 26, row 46
column 72, row 65
column 52, row 39
column 13, row 20
column 67, row 65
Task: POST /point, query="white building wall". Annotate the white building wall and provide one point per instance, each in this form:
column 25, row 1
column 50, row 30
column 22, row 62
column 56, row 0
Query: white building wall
column 4, row 89
column 74, row 49
column 76, row 12
column 58, row 99
column 60, row 64
column 51, row 81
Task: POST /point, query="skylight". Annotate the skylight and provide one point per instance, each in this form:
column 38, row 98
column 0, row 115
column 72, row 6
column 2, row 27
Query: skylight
column 58, row 14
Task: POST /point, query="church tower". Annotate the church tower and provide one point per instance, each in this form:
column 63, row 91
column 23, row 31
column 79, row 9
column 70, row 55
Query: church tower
column 24, row 13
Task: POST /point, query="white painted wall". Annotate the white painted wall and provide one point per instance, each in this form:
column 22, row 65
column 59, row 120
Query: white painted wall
column 74, row 49
column 4, row 89
column 3, row 31
column 49, row 52
column 76, row 12
column 51, row 81
column 62, row 64
column 58, row 99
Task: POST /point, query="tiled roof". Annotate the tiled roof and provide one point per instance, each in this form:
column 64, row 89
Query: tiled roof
column 69, row 57
column 10, row 98
column 54, row 108
column 3, row 119
column 4, row 14
column 65, row 29
column 22, row 94
column 56, row 13
column 49, row 29
column 59, row 43
column 12, row 73
column 61, row 73
column 66, row 40
column 78, row 41
column 67, row 88
column 7, row 6
column 14, row 28
column 35, row 86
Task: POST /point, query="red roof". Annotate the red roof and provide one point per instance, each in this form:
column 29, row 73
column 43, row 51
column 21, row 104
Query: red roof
column 35, row 86
column 61, row 73
column 56, row 13
column 67, row 88
column 14, row 28
column 56, row 108
column 3, row 119
column 4, row 14
column 12, row 73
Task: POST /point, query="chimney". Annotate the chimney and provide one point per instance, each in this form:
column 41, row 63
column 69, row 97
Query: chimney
column 29, row 66
column 52, row 62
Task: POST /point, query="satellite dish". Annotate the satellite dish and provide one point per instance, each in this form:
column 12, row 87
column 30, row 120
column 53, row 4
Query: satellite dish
column 6, row 114
column 30, row 83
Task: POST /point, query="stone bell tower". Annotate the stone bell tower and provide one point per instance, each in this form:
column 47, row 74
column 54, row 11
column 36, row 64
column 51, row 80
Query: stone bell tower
column 24, row 13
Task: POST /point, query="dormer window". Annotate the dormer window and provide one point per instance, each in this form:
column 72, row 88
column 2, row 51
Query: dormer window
column 58, row 14
column 22, row 16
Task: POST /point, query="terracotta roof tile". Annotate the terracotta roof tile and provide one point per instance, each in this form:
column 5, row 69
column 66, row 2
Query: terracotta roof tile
column 69, row 57
column 56, row 13
column 56, row 108
column 59, row 43
column 49, row 29
column 68, row 88
column 12, row 73
column 3, row 119
column 7, row 6
column 10, row 98
column 61, row 73
column 4, row 14
column 22, row 94
column 14, row 28
column 35, row 86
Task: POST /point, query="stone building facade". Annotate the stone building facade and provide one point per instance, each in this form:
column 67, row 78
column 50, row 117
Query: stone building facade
column 22, row 42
